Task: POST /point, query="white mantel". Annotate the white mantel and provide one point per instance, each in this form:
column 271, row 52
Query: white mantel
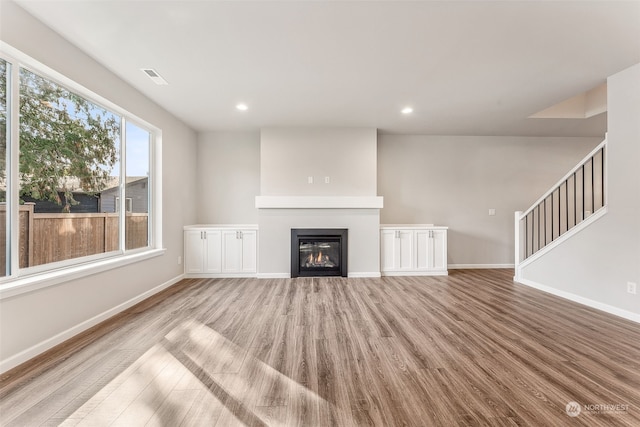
column 319, row 202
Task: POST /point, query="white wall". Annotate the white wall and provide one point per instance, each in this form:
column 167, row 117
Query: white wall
column 32, row 322
column 346, row 155
column 228, row 171
column 454, row 180
column 595, row 265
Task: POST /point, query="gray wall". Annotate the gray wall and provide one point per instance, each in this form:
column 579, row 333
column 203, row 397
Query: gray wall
column 446, row 180
column 228, row 170
column 275, row 237
column 287, row 158
column 597, row 263
column 346, row 155
column 455, row 180
column 33, row 321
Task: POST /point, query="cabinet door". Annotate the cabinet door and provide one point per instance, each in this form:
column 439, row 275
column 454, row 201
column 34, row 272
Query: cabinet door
column 249, row 251
column 431, row 249
column 439, row 258
column 405, row 246
column 213, row 251
column 388, row 261
column 424, row 250
column 231, row 251
column 397, row 250
column 193, row 251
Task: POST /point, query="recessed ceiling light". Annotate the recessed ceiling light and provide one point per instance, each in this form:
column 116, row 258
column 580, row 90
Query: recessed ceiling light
column 407, row 110
column 242, row 107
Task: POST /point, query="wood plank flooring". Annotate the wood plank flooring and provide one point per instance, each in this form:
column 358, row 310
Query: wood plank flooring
column 471, row 349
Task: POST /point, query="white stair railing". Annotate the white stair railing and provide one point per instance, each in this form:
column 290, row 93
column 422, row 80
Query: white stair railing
column 577, row 196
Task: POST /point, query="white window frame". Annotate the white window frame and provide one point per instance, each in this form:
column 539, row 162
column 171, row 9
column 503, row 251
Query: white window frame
column 28, row 279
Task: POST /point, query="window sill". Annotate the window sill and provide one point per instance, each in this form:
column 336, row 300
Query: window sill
column 22, row 285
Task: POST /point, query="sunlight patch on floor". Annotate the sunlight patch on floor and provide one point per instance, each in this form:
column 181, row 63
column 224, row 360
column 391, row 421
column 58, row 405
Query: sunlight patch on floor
column 198, row 377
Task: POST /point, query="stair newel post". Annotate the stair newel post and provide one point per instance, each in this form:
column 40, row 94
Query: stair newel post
column 518, row 234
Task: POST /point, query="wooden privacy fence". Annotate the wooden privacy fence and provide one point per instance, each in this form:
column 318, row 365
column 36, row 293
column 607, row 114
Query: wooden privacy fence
column 46, row 237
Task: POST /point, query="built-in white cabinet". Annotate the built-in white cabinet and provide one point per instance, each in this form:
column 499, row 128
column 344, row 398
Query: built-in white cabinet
column 413, row 250
column 239, row 251
column 202, row 254
column 397, row 250
column 220, row 251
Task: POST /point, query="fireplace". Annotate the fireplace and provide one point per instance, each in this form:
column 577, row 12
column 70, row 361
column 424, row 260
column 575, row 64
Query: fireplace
column 318, row 252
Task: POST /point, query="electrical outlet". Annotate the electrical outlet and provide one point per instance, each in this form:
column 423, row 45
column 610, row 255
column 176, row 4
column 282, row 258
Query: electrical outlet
column 492, row 212
column 631, row 287
column 310, row 180
column 179, row 260
column 327, row 180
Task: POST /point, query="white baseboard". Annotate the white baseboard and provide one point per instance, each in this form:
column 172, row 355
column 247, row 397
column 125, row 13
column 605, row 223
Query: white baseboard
column 274, row 276
column 478, row 266
column 358, row 275
column 288, row 276
column 629, row 315
column 416, row 273
column 219, row 275
column 49, row 343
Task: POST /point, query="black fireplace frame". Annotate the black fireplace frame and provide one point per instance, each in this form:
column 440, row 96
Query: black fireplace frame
column 298, row 234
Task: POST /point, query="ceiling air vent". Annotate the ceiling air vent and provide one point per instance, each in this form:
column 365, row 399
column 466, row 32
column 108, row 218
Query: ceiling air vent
column 153, row 75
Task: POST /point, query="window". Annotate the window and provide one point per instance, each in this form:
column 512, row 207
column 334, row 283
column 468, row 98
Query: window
column 137, row 186
column 4, row 129
column 69, row 147
column 73, row 155
column 128, row 208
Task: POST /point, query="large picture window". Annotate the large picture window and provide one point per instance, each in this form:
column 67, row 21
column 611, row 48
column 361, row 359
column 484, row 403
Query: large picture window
column 4, row 129
column 76, row 160
column 69, row 155
column 137, row 187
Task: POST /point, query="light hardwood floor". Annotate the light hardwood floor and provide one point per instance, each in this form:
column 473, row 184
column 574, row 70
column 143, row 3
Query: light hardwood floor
column 472, row 348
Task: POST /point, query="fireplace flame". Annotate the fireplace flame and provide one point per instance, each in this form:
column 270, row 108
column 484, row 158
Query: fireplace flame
column 318, row 259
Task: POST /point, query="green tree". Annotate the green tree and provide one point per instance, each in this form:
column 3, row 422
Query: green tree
column 66, row 142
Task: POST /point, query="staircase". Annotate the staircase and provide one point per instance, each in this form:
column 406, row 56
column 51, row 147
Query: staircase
column 575, row 201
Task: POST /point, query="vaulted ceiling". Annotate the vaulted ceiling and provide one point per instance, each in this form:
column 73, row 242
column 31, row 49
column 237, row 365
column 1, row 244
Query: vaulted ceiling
column 465, row 67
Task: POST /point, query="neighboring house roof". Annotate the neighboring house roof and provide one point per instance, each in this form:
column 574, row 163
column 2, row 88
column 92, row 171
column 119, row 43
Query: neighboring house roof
column 73, row 183
column 129, row 180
